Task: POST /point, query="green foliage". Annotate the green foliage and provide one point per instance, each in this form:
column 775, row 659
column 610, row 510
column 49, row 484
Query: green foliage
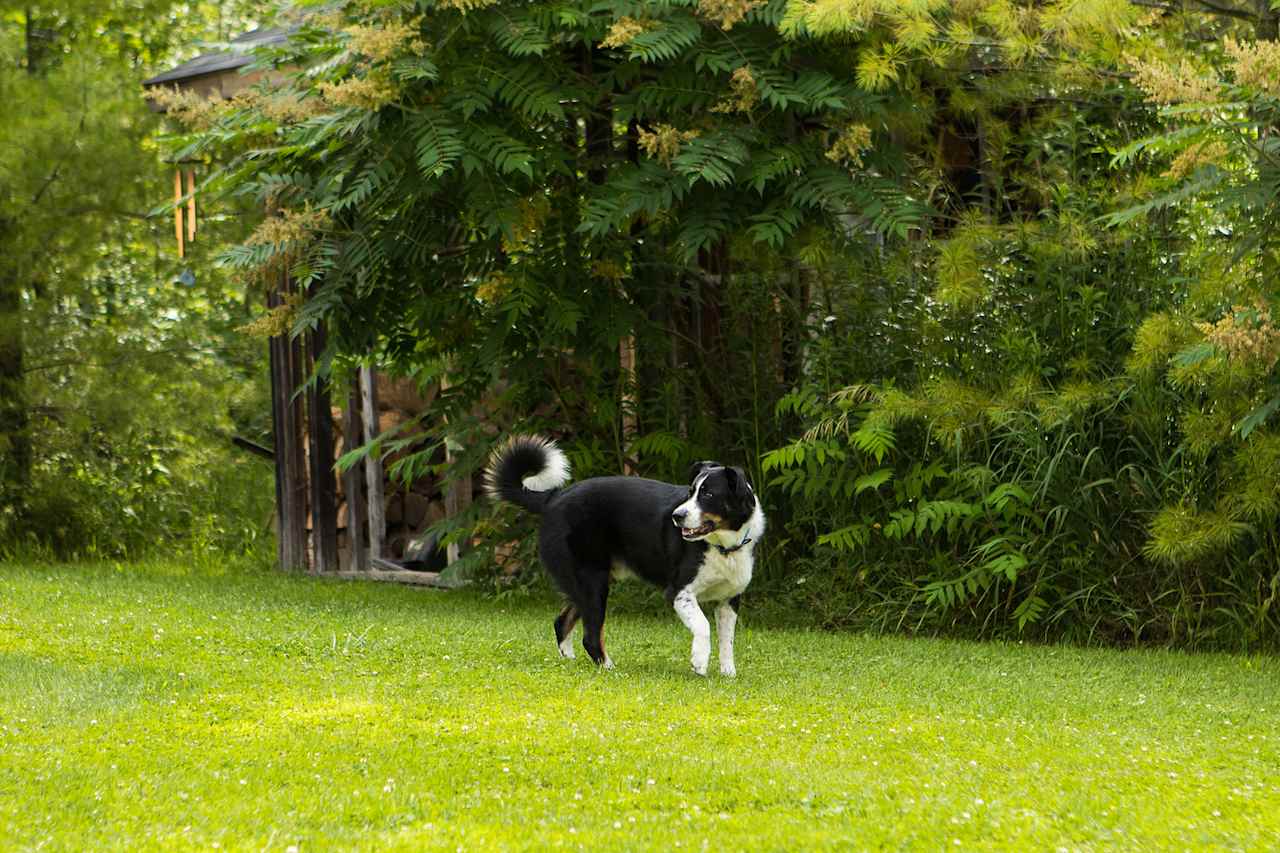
column 122, row 373
column 993, row 362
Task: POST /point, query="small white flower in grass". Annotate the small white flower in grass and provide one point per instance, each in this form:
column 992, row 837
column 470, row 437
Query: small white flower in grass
column 650, row 782
column 506, row 769
column 244, row 781
column 617, row 824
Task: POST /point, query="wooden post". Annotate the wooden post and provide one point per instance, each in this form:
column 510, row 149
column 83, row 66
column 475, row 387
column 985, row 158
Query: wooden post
column 286, row 416
column 324, row 500
column 353, row 480
column 373, row 465
column 457, row 495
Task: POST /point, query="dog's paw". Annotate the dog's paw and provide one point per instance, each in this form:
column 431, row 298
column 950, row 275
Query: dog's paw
column 699, row 666
column 566, row 649
column 728, row 669
column 608, row 663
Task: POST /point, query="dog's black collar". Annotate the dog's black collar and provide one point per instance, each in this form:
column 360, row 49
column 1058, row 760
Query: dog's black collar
column 728, row 551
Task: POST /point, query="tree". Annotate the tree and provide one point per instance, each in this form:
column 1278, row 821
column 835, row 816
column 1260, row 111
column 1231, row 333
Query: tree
column 83, row 269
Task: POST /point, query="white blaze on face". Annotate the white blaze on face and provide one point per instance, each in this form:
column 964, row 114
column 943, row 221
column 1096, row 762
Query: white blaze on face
column 693, row 512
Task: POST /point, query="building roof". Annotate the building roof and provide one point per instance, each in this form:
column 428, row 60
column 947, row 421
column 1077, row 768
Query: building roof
column 239, row 54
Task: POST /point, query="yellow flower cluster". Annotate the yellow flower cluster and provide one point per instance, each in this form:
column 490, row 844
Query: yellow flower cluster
column 1195, row 156
column 276, row 321
column 290, row 227
column 726, row 13
column 490, row 290
column 371, row 92
column 1247, row 335
column 1164, row 84
column 533, row 213
column 607, row 269
column 849, row 146
column 744, row 93
column 664, row 141
column 285, row 107
column 191, row 110
column 1256, row 64
column 387, row 40
column 624, row 31
column 465, row 6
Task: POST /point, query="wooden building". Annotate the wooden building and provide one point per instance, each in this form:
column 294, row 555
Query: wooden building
column 323, row 525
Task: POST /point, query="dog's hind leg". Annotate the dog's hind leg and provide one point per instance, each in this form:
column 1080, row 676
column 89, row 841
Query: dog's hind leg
column 564, row 626
column 592, row 608
column 726, row 621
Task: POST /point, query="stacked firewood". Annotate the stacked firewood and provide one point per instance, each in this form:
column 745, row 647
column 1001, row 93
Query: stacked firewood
column 409, row 510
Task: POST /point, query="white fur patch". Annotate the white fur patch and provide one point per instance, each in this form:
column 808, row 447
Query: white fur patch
column 554, row 473
column 693, row 512
column 722, row 576
column 726, row 622
column 686, row 607
column 566, row 647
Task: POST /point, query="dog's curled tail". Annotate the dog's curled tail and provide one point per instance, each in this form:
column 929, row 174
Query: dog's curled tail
column 526, row 471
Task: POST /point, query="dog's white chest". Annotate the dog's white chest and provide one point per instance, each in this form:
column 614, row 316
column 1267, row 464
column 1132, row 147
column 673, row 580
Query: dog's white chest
column 722, row 576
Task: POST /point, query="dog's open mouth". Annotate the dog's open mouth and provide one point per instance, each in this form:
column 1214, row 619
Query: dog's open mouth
column 700, row 530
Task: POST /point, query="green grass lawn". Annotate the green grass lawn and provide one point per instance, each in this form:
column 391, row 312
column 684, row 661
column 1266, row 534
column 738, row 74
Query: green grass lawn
column 148, row 708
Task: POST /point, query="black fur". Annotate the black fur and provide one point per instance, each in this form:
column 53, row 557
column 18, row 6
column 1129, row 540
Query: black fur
column 595, row 527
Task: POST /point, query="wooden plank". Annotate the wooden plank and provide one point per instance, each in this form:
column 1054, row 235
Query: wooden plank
column 353, row 480
column 431, row 579
column 290, row 452
column 291, row 509
column 324, row 486
column 373, row 465
column 457, row 495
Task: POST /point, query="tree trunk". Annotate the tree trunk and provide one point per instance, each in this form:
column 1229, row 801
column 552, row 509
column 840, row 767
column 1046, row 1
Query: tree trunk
column 324, row 505
column 15, row 435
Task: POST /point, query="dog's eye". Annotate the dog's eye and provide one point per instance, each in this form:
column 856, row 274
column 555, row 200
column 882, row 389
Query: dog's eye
column 707, row 495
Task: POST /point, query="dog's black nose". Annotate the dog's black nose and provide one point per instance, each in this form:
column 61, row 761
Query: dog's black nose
column 678, row 516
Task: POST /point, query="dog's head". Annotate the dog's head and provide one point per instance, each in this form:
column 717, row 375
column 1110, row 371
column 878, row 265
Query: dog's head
column 720, row 498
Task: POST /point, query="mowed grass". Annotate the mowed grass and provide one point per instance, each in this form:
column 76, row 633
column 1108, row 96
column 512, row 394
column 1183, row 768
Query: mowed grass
column 152, row 708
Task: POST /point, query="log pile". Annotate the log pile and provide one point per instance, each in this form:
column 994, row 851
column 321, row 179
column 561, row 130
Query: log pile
column 408, row 510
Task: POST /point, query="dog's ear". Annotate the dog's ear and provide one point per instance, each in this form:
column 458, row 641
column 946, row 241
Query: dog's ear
column 738, row 482
column 698, row 467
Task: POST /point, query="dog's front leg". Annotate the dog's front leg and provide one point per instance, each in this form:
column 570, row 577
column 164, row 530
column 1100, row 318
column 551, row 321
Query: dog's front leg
column 686, row 606
column 726, row 621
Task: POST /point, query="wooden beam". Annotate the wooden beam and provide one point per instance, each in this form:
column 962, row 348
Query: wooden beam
column 457, row 495
column 324, row 487
column 429, row 579
column 287, row 424
column 373, row 465
column 353, row 480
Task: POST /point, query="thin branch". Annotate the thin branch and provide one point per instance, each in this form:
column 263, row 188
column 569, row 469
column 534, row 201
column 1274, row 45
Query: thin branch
column 1229, row 11
column 50, row 365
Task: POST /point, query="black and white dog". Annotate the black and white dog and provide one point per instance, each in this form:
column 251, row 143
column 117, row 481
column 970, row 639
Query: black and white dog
column 696, row 542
